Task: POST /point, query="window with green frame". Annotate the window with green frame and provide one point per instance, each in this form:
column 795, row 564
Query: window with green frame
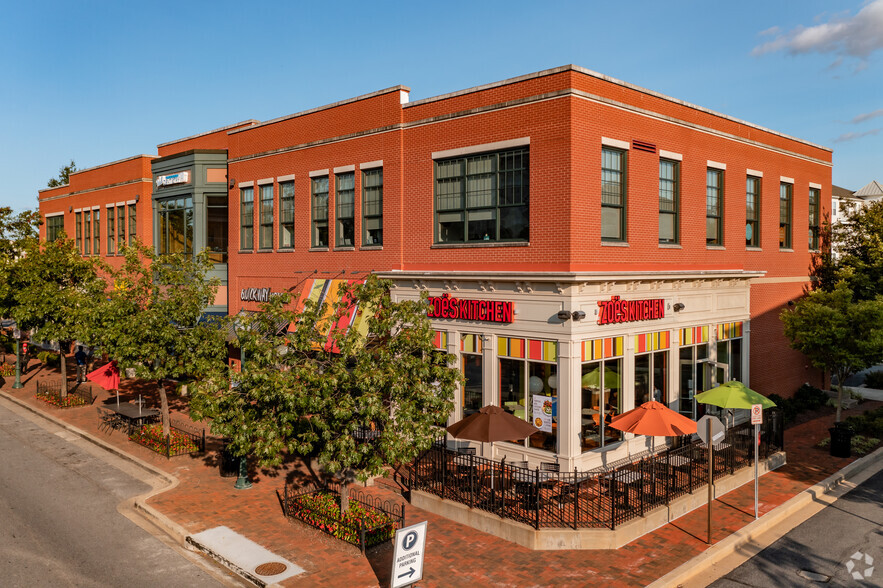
column 87, row 232
column 265, row 230
column 121, row 226
column 786, row 192
column 714, row 207
column 319, row 208
column 752, row 212
column 79, row 231
column 669, row 172
column 286, row 215
column 175, row 217
column 133, row 225
column 814, row 214
column 372, row 206
column 345, row 185
column 54, row 227
column 613, row 197
column 96, row 228
column 483, row 197
column 246, row 218
column 111, row 233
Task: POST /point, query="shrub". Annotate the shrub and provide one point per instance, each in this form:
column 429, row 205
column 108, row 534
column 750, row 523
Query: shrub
column 874, row 380
column 809, row 397
column 7, row 370
column 861, row 445
column 322, row 511
column 56, row 400
column 151, row 437
column 49, row 358
column 870, row 423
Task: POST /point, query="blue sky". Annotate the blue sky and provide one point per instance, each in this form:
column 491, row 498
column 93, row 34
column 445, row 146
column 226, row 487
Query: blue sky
column 101, row 81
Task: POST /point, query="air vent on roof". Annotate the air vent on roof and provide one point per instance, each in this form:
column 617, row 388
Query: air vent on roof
column 644, row 146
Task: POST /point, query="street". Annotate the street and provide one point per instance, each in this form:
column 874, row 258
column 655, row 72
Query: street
column 59, row 518
column 821, row 548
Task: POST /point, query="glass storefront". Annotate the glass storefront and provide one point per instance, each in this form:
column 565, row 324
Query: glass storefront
column 528, row 376
column 473, row 373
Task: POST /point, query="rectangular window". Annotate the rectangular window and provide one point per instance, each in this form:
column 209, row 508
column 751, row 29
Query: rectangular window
column 785, row 197
column 111, row 234
column 175, row 225
column 346, row 209
column 669, row 172
column 372, row 207
column 319, row 191
column 714, row 207
column 752, row 212
column 651, row 377
column 216, row 228
column 246, row 218
column 54, row 228
column 483, row 197
column 814, row 198
column 87, row 232
column 520, row 382
column 613, row 194
column 96, row 238
column 601, row 384
column 121, row 226
column 79, row 231
column 286, row 215
column 265, row 231
column 132, row 224
column 472, row 384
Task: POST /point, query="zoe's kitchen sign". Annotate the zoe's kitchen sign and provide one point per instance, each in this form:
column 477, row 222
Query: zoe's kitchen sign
column 492, row 311
column 627, row 311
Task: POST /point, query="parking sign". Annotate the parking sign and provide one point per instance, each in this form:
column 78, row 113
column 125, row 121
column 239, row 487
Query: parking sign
column 407, row 559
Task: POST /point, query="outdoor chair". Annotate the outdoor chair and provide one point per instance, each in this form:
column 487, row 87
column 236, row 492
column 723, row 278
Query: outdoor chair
column 110, row 421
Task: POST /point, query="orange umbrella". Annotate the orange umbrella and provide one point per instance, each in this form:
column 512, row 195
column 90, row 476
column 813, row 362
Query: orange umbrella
column 654, row 419
column 108, row 377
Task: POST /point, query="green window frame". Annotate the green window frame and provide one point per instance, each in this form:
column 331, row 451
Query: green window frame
column 345, row 202
column 175, row 219
column 372, row 207
column 613, row 194
column 786, row 197
column 54, row 227
column 483, row 197
column 246, row 219
column 133, row 225
column 79, row 231
column 814, row 215
column 111, row 233
column 87, row 232
column 319, row 211
column 265, row 230
column 216, row 227
column 286, row 215
column 120, row 227
column 96, row 229
column 752, row 211
column 669, row 201
column 714, row 206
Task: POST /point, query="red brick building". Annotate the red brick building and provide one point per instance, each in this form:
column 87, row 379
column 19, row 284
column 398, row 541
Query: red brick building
column 588, row 244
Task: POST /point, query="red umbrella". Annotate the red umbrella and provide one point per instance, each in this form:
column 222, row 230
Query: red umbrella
column 108, row 377
column 654, row 419
column 492, row 423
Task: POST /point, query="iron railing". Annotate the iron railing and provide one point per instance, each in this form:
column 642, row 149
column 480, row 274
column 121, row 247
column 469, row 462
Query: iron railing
column 179, row 441
column 50, row 391
column 601, row 498
column 374, row 523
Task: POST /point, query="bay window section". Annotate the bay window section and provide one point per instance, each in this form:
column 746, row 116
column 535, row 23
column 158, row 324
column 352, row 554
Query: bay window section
column 265, row 230
column 216, row 228
column 175, row 225
column 346, row 209
column 601, row 397
column 668, row 201
column 372, row 206
column 319, row 195
column 613, row 198
column 246, row 218
column 286, row 215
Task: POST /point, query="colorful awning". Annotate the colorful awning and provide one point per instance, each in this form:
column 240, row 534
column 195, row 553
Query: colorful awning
column 322, row 291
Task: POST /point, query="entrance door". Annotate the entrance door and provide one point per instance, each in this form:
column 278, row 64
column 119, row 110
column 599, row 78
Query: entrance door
column 695, row 376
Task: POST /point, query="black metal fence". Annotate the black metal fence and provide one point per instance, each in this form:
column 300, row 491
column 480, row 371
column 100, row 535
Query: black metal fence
column 369, row 522
column 50, row 392
column 179, row 441
column 600, row 498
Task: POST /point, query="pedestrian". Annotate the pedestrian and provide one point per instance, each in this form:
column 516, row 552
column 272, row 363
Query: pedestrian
column 80, row 358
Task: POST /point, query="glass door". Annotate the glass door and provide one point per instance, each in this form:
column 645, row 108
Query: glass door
column 694, row 377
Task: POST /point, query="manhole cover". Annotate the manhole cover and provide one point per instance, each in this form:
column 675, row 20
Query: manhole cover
column 270, row 569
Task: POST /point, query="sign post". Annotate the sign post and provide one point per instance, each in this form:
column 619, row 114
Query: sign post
column 756, row 420
column 711, row 431
column 407, row 559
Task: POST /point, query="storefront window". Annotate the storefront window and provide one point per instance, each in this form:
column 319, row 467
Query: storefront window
column 216, row 228
column 693, row 378
column 601, row 385
column 651, row 377
column 176, row 225
column 529, row 389
column 472, row 387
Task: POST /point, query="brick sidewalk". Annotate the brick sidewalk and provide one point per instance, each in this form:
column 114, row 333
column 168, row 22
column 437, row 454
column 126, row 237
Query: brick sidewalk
column 456, row 555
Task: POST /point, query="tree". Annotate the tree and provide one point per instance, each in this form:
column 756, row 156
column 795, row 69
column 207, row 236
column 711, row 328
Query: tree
column 17, row 232
column 56, row 290
column 836, row 333
column 64, row 175
column 859, row 243
column 151, row 319
column 358, row 403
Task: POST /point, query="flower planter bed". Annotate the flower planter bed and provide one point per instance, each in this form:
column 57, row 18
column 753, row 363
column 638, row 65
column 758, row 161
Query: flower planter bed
column 50, row 393
column 7, row 370
column 366, row 524
column 177, row 442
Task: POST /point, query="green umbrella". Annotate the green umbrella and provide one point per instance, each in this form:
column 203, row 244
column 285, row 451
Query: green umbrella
column 734, row 395
column 592, row 379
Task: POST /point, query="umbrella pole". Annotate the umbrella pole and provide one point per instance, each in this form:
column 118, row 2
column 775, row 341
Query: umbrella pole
column 118, row 397
column 756, row 435
column 710, row 472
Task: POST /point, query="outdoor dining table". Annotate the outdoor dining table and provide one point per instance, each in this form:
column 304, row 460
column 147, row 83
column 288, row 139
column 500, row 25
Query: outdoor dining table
column 625, row 479
column 134, row 415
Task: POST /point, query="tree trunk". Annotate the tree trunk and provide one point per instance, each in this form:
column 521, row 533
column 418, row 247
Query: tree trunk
column 344, row 495
column 839, row 399
column 164, row 408
column 63, row 357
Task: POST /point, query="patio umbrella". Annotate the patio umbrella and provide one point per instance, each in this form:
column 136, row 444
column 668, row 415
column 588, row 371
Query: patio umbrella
column 654, row 419
column 592, row 379
column 108, row 377
column 492, row 423
column 734, row 394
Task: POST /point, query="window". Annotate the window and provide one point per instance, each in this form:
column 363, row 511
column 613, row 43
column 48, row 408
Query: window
column 473, row 374
column 752, row 212
column 265, row 231
column 372, row 206
column 785, row 194
column 814, row 219
column 601, row 384
column 79, row 231
column 111, row 235
column 483, row 197
column 246, row 218
column 120, row 226
column 693, row 378
column 216, row 228
column 521, row 382
column 346, row 209
column 668, row 201
column 286, row 215
column 651, row 377
column 96, row 227
column 612, row 194
column 54, row 227
column 132, row 224
column 175, row 225
column 714, row 206
column 319, row 193
column 87, row 232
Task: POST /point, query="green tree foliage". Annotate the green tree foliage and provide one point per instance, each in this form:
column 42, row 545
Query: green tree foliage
column 64, row 175
column 358, row 399
column 151, row 321
column 17, row 232
column 835, row 333
column 56, row 291
column 859, row 241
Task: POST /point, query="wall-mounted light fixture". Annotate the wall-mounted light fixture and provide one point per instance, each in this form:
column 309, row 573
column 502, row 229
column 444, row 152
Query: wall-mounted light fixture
column 578, row 315
column 790, row 303
column 70, row 209
column 232, row 183
column 678, row 307
column 563, row 315
column 137, row 198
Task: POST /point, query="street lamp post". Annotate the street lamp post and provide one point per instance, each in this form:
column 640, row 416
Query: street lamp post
column 17, row 334
column 242, row 482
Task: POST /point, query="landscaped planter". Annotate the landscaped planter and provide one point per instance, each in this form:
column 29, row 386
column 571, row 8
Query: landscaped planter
column 177, row 442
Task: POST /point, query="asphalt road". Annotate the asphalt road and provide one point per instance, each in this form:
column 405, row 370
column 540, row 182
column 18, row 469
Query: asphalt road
column 61, row 521
column 818, row 551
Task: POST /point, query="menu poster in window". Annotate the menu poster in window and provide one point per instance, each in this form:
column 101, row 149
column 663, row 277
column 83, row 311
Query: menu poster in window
column 542, row 412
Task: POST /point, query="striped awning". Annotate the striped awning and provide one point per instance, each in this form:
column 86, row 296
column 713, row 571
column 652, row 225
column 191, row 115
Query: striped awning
column 327, row 291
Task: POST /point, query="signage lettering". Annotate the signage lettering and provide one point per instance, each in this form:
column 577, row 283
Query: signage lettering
column 627, row 311
column 255, row 295
column 491, row 311
column 172, row 179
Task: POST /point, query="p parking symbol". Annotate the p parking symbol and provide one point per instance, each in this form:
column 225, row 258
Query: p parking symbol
column 409, row 540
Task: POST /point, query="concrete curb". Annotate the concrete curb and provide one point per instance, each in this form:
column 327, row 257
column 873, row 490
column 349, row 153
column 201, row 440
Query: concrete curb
column 748, row 535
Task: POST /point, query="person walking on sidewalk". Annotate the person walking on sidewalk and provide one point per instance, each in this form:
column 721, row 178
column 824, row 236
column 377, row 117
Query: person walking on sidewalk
column 80, row 357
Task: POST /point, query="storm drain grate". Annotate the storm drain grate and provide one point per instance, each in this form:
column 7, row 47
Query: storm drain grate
column 270, row 568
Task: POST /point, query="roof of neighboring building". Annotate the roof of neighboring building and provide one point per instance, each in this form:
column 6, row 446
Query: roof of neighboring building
column 872, row 190
column 840, row 192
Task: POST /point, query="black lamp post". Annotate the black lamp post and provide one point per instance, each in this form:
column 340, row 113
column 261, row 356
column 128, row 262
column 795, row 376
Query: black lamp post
column 242, row 482
column 17, row 334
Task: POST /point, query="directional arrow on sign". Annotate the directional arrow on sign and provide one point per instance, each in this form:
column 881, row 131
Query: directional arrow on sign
column 409, row 573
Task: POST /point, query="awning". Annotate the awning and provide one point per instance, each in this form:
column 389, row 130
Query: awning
column 322, row 291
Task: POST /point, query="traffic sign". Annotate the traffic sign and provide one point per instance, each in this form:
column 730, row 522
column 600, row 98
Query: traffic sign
column 756, row 414
column 407, row 559
column 718, row 431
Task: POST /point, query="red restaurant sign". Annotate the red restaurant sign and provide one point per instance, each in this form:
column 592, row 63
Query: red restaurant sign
column 493, row 311
column 627, row 311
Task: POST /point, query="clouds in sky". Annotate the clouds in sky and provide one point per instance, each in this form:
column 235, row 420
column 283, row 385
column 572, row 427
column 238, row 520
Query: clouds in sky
column 858, row 36
column 867, row 116
column 853, row 136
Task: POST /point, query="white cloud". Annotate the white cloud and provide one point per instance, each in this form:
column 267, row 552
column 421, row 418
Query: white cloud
column 858, row 36
column 867, row 116
column 853, row 136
